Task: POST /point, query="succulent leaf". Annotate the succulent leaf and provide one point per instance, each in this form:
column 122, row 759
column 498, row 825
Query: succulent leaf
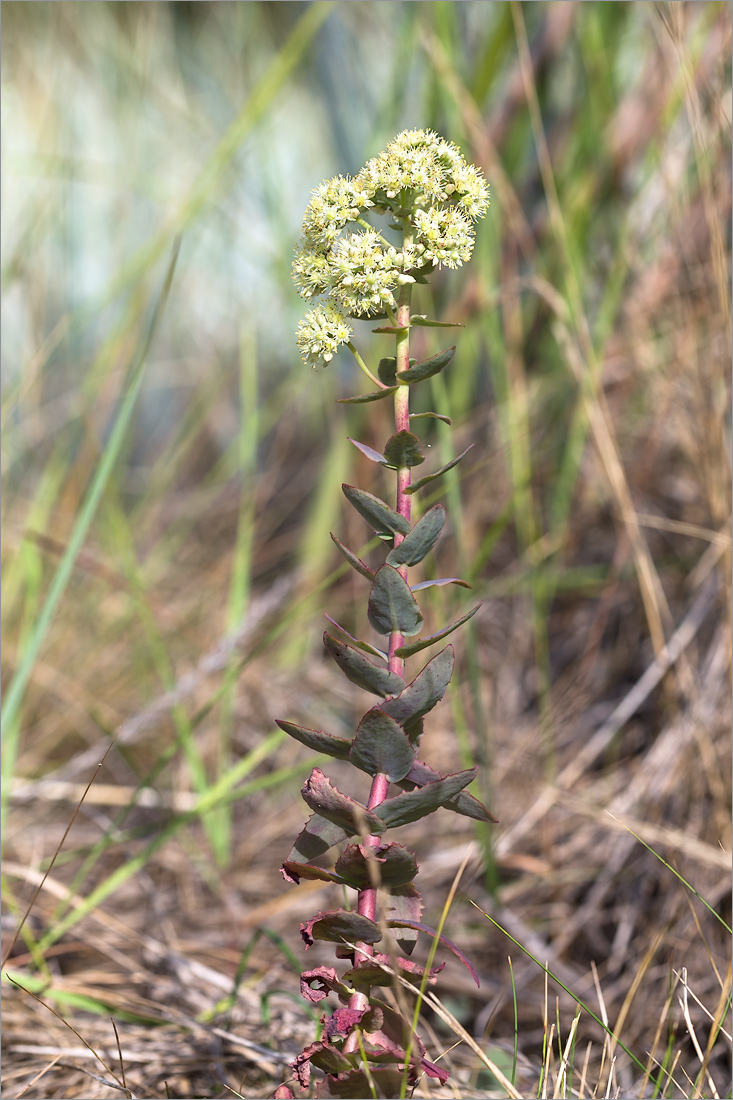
column 363, row 398
column 376, row 512
column 403, row 449
column 427, row 689
column 428, row 368
column 361, row 671
column 423, row 481
column 418, row 926
column 386, row 371
column 317, row 740
column 421, row 539
column 381, row 746
column 354, row 561
column 422, row 801
column 420, row 321
column 320, row 794
column 438, row 583
column 340, row 926
column 431, row 416
column 415, row 647
column 366, row 646
column 315, row 838
column 369, row 452
column 463, row 803
column 392, row 605
column 394, row 864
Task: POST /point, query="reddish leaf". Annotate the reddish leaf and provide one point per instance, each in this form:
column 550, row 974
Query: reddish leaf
column 443, row 939
column 317, row 740
column 361, row 671
column 463, row 803
column 328, row 801
column 427, row 689
column 317, row 984
column 294, row 872
column 394, row 865
column 340, row 926
column 316, row 837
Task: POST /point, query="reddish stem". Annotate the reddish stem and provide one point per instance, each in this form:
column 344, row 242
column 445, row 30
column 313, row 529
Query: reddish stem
column 367, row 904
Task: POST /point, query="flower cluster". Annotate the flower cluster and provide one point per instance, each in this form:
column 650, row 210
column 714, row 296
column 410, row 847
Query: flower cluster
column 432, row 194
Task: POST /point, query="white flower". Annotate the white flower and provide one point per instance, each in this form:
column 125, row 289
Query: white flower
column 320, row 334
column 446, row 236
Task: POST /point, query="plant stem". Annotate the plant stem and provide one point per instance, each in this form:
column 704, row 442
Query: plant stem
column 367, row 904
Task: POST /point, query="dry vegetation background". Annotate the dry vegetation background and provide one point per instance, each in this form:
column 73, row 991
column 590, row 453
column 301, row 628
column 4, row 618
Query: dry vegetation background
column 171, row 472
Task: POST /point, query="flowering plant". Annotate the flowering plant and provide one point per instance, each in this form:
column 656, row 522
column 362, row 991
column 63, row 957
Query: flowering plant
column 432, row 198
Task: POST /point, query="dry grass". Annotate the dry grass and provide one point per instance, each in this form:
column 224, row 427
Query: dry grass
column 594, row 522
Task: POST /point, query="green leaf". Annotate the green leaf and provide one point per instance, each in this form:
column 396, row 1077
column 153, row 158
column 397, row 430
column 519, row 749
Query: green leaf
column 432, row 415
column 428, row 368
column 394, row 865
column 424, row 322
column 376, row 512
column 391, row 604
column 355, row 562
column 438, row 583
column 317, row 740
column 415, row 647
column 464, row 803
column 357, row 641
column 386, row 372
column 369, row 452
column 320, row 794
column 438, row 473
column 315, row 838
column 403, row 449
column 421, row 539
column 340, row 926
column 362, row 398
column 427, row 689
column 390, row 330
column 380, row 681
column 422, row 801
column 380, row 745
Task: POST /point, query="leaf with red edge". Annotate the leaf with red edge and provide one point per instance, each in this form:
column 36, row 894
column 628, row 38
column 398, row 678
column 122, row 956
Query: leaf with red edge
column 316, row 837
column 328, row 801
column 380, row 745
column 403, row 449
column 392, row 606
column 434, row 1071
column 317, row 740
column 421, row 539
column 423, row 800
column 361, row 671
column 423, row 643
column 340, row 926
column 428, row 368
column 366, row 646
column 416, row 485
column 356, row 1086
column 364, row 398
column 404, row 903
column 354, row 561
column 427, row 689
column 419, row 927
column 294, row 872
column 317, row 984
column 342, row 1022
column 381, row 517
column 439, row 582
column 394, row 865
column 463, row 803
column 369, row 452
column 369, row 972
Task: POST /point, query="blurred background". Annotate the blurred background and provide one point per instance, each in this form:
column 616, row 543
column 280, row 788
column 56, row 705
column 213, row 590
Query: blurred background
column 171, row 471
